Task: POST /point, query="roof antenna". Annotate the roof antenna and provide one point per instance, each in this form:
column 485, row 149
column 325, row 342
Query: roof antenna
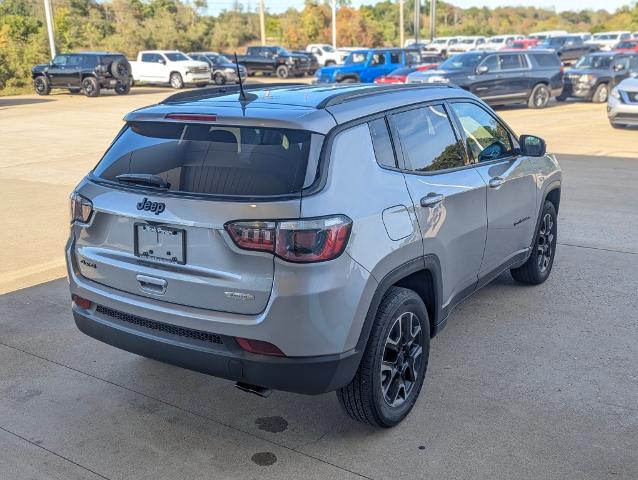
column 242, row 94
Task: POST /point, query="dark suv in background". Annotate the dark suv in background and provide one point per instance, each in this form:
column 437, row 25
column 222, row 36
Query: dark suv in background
column 501, row 77
column 568, row 47
column 223, row 70
column 88, row 72
column 593, row 77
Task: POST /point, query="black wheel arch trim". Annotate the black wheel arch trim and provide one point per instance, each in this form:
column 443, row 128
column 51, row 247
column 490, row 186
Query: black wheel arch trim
column 552, row 187
column 429, row 263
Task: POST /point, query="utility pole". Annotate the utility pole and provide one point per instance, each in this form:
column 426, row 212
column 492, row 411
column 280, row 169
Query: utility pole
column 262, row 22
column 334, row 24
column 402, row 44
column 47, row 11
column 417, row 20
column 432, row 19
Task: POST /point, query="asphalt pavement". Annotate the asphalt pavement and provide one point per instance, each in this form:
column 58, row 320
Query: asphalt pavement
column 524, row 383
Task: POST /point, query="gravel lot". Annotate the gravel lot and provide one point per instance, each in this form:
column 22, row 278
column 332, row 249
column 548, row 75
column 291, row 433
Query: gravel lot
column 524, row 383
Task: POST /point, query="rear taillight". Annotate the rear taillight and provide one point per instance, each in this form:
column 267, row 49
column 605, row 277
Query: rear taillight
column 302, row 241
column 81, row 208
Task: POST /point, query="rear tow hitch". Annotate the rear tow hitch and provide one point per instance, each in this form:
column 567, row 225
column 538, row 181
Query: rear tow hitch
column 259, row 391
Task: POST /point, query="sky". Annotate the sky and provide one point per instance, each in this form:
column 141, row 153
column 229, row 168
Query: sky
column 278, row 6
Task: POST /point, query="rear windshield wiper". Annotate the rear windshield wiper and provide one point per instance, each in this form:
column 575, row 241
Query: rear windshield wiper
column 143, row 179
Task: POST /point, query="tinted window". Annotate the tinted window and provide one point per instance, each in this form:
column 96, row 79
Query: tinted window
column 214, row 159
column 491, row 63
column 60, row 60
column 395, row 57
column 464, row 61
column 546, row 59
column 599, row 62
column 427, row 139
column 634, row 64
column 90, row 61
column 487, row 139
column 382, row 143
column 176, row 57
column 378, row 59
column 512, row 62
column 623, row 61
column 74, row 61
column 151, row 57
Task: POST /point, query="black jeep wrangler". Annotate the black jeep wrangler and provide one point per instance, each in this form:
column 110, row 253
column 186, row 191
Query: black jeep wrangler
column 88, row 72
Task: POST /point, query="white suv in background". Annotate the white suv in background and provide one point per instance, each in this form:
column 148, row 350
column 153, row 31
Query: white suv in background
column 442, row 45
column 606, row 41
column 326, row 54
column 466, row 44
column 170, row 67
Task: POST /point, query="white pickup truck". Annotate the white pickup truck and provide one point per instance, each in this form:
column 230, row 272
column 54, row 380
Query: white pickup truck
column 169, row 67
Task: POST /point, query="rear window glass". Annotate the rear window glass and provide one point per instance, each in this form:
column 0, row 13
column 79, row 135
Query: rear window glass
column 215, row 160
column 547, row 59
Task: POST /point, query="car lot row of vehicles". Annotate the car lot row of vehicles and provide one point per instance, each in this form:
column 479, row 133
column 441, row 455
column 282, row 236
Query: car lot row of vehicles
column 568, row 46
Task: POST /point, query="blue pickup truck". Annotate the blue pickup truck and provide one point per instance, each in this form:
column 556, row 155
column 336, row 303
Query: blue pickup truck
column 367, row 64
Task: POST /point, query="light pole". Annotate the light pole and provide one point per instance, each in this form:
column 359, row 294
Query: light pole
column 262, row 22
column 47, row 12
column 334, row 24
column 401, row 23
column 432, row 19
column 417, row 20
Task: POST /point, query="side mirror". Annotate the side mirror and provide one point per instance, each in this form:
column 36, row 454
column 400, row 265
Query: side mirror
column 619, row 67
column 162, row 61
column 482, row 69
column 532, row 146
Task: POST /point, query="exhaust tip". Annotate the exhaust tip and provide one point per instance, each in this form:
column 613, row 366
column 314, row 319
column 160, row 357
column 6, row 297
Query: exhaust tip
column 262, row 392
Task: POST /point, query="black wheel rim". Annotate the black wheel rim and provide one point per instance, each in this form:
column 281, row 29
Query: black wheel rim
column 88, row 87
column 219, row 80
column 545, row 244
column 402, row 360
column 541, row 98
column 39, row 85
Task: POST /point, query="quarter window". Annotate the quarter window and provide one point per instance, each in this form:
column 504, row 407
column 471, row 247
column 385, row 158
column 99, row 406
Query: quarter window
column 487, row 138
column 381, row 143
column 428, row 140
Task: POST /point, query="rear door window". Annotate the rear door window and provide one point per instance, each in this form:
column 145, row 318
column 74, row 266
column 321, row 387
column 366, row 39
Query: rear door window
column 428, row 140
column 215, row 160
column 512, row 62
column 547, row 59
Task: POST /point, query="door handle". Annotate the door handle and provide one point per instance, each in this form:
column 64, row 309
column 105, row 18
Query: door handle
column 156, row 286
column 431, row 199
column 496, row 182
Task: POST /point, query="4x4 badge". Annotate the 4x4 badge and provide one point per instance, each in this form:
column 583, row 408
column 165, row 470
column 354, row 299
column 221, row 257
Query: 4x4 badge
column 155, row 207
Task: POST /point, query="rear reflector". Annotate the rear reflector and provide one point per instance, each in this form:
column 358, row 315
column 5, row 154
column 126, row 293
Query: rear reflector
column 301, row 241
column 191, row 117
column 81, row 302
column 259, row 346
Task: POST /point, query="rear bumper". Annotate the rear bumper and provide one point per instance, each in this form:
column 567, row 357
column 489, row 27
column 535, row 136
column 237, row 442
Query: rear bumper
column 306, row 375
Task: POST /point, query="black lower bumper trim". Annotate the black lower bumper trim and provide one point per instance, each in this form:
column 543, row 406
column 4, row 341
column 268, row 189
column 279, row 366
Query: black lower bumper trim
column 307, row 375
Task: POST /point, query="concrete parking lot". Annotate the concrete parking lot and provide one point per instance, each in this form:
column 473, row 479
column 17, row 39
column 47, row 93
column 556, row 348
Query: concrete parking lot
column 524, row 383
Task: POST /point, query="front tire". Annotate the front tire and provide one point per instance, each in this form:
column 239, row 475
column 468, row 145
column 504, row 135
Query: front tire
column 41, row 85
column 539, row 98
column 539, row 264
column 176, row 81
column 282, row 71
column 393, row 367
column 601, row 93
column 90, row 87
column 219, row 79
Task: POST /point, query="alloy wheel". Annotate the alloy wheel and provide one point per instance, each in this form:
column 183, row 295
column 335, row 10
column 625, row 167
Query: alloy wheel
column 402, row 359
column 541, row 98
column 40, row 86
column 545, row 243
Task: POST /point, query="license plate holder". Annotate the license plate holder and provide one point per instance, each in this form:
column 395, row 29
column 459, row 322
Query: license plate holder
column 160, row 243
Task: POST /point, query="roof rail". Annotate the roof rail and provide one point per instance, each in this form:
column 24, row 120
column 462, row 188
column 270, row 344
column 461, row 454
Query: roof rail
column 211, row 92
column 349, row 95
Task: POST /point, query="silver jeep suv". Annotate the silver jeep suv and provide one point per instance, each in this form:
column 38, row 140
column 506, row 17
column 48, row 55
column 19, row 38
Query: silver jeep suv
column 306, row 238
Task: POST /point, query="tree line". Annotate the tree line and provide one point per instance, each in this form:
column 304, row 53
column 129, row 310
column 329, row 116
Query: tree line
column 131, row 25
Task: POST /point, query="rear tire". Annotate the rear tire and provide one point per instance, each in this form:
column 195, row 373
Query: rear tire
column 540, row 96
column 539, row 264
column 123, row 89
column 348, row 80
column 394, row 363
column 41, row 85
column 176, row 81
column 601, row 93
column 90, row 87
